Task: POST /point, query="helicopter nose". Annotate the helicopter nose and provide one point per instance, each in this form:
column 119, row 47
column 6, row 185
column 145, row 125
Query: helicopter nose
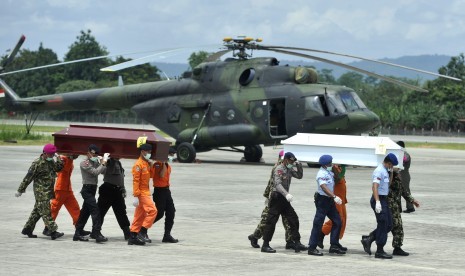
column 363, row 121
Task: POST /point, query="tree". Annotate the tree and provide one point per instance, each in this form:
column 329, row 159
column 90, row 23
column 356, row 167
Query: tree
column 326, row 76
column 197, row 57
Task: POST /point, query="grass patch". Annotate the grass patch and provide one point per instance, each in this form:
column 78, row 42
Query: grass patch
column 10, row 135
column 425, row 145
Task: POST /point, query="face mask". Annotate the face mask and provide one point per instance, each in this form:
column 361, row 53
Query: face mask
column 289, row 166
column 94, row 159
column 170, row 159
column 329, row 168
column 147, row 156
column 49, row 159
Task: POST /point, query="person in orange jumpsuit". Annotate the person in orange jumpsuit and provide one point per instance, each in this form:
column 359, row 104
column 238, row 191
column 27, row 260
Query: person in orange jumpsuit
column 145, row 213
column 340, row 190
column 64, row 193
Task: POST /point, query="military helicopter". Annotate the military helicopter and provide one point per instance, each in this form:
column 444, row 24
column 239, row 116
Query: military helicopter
column 241, row 101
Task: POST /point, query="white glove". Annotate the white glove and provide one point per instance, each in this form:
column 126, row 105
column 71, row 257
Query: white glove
column 267, row 201
column 100, row 158
column 18, row 194
column 135, row 203
column 106, row 156
column 378, row 207
column 338, row 200
column 57, row 155
column 289, row 197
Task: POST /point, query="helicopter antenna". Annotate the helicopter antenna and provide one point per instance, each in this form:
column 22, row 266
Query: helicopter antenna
column 241, row 44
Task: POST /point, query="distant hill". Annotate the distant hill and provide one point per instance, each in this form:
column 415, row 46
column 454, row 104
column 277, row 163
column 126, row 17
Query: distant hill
column 423, row 62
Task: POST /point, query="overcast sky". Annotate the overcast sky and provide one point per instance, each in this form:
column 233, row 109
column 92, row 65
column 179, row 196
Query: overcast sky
column 370, row 28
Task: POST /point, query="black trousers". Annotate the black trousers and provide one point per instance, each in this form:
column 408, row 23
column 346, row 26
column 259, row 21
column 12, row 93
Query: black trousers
column 112, row 196
column 325, row 207
column 280, row 206
column 89, row 208
column 165, row 206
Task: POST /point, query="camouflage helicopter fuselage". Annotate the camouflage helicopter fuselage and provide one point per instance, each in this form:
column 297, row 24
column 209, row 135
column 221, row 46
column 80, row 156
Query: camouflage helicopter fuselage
column 236, row 96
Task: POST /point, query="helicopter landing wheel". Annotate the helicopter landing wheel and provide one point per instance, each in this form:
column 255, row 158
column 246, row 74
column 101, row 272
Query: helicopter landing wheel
column 186, row 152
column 253, row 153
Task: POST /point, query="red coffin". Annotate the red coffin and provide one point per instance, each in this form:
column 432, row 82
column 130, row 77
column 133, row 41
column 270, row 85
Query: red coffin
column 119, row 142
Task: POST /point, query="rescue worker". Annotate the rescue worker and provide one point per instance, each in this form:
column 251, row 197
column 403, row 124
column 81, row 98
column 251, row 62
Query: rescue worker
column 91, row 167
column 396, row 192
column 279, row 204
column 325, row 202
column 43, row 172
column 146, row 211
column 405, row 176
column 64, row 193
column 112, row 194
column 379, row 203
column 161, row 172
column 258, row 233
column 340, row 190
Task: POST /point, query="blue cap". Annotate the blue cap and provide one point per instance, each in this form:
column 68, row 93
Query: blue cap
column 325, row 160
column 392, row 157
column 290, row 156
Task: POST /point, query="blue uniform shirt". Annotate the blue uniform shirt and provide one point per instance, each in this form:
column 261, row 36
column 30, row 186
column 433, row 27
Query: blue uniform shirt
column 381, row 176
column 325, row 177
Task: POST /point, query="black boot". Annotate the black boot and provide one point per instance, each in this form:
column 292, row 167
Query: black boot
column 366, row 242
column 143, row 234
column 314, row 252
column 28, row 233
column 46, row 232
column 126, row 232
column 98, row 236
column 320, row 240
column 253, row 241
column 299, row 246
column 290, row 245
column 85, row 233
column 399, row 252
column 55, row 235
column 381, row 254
column 169, row 238
column 334, row 248
column 266, row 248
column 135, row 239
column 78, row 237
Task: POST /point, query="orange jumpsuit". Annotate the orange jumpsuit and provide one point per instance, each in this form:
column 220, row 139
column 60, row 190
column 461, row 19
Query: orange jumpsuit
column 340, row 190
column 64, row 193
column 146, row 211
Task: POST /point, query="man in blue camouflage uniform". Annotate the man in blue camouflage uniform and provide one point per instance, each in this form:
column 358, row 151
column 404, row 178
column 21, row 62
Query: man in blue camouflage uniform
column 43, row 172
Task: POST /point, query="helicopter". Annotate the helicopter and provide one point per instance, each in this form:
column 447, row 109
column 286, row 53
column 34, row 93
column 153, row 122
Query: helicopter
column 241, row 101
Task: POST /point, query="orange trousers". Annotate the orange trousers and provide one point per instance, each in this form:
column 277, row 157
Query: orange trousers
column 65, row 198
column 145, row 214
column 341, row 209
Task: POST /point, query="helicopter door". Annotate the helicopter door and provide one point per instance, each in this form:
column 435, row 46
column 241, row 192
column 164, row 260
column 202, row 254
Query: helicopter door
column 277, row 119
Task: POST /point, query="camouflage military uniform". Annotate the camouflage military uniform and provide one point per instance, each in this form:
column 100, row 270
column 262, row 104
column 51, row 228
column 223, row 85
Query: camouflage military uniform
column 258, row 233
column 396, row 190
column 43, row 173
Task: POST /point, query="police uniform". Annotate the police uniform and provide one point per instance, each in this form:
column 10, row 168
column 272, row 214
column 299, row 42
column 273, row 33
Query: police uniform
column 279, row 205
column 43, row 173
column 90, row 171
column 325, row 207
column 112, row 193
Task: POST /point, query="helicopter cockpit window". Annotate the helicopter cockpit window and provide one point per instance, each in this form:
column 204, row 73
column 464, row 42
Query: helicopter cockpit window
column 247, row 76
column 313, row 107
column 335, row 105
column 348, row 100
column 358, row 100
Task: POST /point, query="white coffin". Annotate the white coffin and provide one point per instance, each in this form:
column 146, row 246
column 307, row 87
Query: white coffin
column 345, row 149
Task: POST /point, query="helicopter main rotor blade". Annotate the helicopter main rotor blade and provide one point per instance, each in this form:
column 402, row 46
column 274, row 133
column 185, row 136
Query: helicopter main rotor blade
column 361, row 58
column 217, row 55
column 13, row 53
column 416, row 88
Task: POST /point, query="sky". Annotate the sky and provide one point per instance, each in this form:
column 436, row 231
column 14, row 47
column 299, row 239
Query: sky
column 370, row 28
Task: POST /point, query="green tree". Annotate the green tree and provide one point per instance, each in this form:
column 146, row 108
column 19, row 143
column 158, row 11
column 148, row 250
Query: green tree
column 197, row 57
column 326, row 76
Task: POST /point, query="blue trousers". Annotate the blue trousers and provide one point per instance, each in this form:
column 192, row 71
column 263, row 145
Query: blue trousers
column 383, row 220
column 325, row 207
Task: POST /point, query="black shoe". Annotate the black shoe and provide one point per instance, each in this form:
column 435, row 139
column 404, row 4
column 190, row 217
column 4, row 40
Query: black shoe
column 79, row 238
column 98, row 237
column 367, row 245
column 134, row 239
column 46, row 232
column 254, row 242
column 320, row 240
column 399, row 252
column 342, row 247
column 143, row 234
column 28, row 233
column 336, row 250
column 268, row 249
column 85, row 233
column 169, row 238
column 409, row 211
column 382, row 255
column 299, row 246
column 55, row 235
column 314, row 252
column 290, row 245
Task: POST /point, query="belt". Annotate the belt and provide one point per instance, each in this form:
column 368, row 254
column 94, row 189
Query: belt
column 382, row 196
column 89, row 185
column 167, row 187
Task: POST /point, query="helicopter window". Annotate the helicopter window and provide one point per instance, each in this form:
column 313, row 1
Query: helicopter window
column 358, row 100
column 349, row 101
column 195, row 117
column 247, row 76
column 231, row 114
column 335, row 105
column 312, row 106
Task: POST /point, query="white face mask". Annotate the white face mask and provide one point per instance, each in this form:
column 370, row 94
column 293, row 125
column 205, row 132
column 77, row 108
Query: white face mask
column 94, row 159
column 289, row 166
column 170, row 159
column 49, row 159
column 147, row 156
column 329, row 168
